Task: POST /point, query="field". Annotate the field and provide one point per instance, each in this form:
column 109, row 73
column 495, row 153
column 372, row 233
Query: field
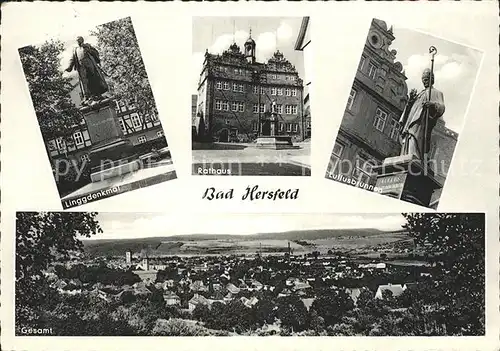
column 231, row 245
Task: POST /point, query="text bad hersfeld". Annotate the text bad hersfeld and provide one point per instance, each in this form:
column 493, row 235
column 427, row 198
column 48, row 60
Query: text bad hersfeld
column 251, row 193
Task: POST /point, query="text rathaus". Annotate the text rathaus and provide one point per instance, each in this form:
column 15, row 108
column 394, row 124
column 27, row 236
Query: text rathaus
column 240, row 99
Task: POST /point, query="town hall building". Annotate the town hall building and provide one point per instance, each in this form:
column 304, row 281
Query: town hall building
column 240, row 99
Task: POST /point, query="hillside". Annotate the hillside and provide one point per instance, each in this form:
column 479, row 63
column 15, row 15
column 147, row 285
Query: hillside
column 218, row 244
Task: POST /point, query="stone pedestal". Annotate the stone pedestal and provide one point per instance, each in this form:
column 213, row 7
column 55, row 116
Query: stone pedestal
column 275, row 142
column 111, row 153
column 406, row 178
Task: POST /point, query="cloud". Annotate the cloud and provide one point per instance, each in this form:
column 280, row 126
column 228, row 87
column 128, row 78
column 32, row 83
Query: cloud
column 284, row 32
column 266, row 44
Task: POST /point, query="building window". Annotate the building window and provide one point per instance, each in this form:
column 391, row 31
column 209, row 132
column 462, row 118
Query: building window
column 380, row 118
column 336, row 155
column 136, row 120
column 153, row 117
column 361, row 63
column 123, row 107
column 218, row 104
column 255, row 126
column 288, row 92
column 235, row 87
column 296, row 127
column 273, row 76
column 273, row 91
column 255, row 89
column 159, row 133
column 363, row 170
column 255, row 108
column 281, row 127
column 294, row 92
column 241, row 88
column 234, row 106
column 262, row 90
column 262, row 108
column 241, row 107
column 218, row 85
column 78, row 136
column 122, row 126
column 279, row 108
column 288, row 109
column 225, row 106
column 141, row 139
column 292, row 78
column 226, row 86
column 294, row 109
column 280, row 91
column 289, row 127
column 61, row 145
column 372, row 70
column 350, row 100
column 85, row 158
column 394, row 133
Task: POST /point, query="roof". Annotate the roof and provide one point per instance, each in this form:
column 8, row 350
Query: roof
column 396, row 289
column 199, row 300
column 232, row 288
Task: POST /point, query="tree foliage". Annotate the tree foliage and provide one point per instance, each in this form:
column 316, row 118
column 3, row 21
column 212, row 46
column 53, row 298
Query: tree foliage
column 292, row 313
column 455, row 244
column 333, row 307
column 41, row 239
column 122, row 61
column 50, row 92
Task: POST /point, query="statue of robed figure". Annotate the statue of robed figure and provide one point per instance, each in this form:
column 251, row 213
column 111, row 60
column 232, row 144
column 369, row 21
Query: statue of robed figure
column 420, row 115
column 85, row 60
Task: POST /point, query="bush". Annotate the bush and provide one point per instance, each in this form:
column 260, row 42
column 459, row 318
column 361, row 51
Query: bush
column 178, row 327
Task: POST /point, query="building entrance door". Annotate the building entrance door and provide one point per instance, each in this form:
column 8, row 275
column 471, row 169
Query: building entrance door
column 266, row 128
column 224, row 136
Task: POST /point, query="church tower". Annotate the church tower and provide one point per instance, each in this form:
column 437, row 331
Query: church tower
column 250, row 49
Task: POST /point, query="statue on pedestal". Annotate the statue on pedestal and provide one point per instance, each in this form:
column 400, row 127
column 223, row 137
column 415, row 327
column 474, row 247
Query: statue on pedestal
column 420, row 116
column 85, row 60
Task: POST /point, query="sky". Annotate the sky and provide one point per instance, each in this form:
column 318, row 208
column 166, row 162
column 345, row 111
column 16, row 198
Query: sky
column 144, row 225
column 270, row 34
column 455, row 69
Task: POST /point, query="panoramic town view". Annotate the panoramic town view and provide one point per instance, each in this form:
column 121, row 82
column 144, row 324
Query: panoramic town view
column 144, row 274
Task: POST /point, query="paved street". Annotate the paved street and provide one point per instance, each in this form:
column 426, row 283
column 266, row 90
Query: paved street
column 247, row 159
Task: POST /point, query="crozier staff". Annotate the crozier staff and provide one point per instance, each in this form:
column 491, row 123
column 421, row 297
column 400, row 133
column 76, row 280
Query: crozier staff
column 420, row 116
column 85, row 60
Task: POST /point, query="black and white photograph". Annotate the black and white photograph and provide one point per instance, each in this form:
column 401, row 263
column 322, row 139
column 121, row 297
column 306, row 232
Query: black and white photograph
column 250, row 100
column 96, row 112
column 404, row 114
column 156, row 274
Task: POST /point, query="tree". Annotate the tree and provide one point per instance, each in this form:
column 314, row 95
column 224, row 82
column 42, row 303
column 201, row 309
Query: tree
column 292, row 313
column 333, row 307
column 121, row 59
column 364, row 298
column 455, row 245
column 41, row 239
column 265, row 311
column 50, row 92
column 201, row 313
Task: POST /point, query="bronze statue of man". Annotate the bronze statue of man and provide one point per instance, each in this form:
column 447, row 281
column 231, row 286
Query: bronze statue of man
column 418, row 108
column 85, row 60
